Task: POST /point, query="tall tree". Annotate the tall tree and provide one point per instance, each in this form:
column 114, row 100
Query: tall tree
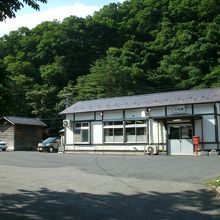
column 4, row 92
column 138, row 46
column 9, row 7
column 108, row 78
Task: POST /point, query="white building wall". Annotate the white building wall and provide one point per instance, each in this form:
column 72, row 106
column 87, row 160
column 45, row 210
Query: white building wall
column 218, row 108
column 153, row 132
column 69, row 117
column 69, row 147
column 135, row 113
column 154, row 112
column 155, row 136
column 157, row 133
column 113, row 115
column 198, row 128
column 218, row 118
column 203, row 108
column 69, row 135
column 115, row 147
column 98, row 115
column 96, row 132
column 84, row 116
column 69, row 130
column 209, row 128
column 164, row 135
column 162, row 132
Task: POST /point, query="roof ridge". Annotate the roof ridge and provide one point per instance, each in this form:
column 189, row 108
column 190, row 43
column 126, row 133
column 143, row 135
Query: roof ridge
column 179, row 97
column 22, row 117
column 115, row 97
column 24, row 120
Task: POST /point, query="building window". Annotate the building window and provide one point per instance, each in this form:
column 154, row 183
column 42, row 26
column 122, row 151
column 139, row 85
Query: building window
column 113, row 132
column 135, row 131
column 81, row 132
column 108, row 134
column 130, row 135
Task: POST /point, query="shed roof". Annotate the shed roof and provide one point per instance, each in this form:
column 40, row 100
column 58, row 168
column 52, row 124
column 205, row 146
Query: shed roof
column 25, row 121
column 147, row 100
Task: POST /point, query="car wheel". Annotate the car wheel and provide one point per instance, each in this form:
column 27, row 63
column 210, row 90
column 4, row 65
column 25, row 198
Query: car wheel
column 51, row 149
column 3, row 149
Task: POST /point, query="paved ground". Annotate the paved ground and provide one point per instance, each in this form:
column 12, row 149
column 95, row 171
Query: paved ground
column 68, row 186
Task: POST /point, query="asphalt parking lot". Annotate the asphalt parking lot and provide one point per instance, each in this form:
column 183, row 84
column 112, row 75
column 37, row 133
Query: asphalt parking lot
column 78, row 186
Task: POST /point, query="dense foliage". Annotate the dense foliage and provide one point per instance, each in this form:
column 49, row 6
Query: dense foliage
column 9, row 7
column 139, row 46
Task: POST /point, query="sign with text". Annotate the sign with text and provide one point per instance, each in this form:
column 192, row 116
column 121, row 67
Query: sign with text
column 180, row 109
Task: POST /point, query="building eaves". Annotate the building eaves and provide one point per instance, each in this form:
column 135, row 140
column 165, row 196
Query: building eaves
column 25, row 121
column 147, row 100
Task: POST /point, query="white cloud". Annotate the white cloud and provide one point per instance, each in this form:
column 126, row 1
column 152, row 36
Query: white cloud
column 59, row 13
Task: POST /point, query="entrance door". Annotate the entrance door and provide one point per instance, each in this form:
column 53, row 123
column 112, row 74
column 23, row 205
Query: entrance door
column 180, row 139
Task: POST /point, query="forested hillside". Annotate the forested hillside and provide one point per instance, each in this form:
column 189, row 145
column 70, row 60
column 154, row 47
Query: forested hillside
column 139, row 46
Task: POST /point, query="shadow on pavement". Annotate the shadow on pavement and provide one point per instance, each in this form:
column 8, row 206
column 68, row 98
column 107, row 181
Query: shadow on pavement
column 46, row 204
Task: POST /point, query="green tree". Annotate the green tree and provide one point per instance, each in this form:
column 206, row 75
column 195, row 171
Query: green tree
column 108, row 78
column 67, row 96
column 4, row 92
column 212, row 79
column 135, row 47
column 9, row 7
column 21, row 81
column 54, row 73
column 42, row 100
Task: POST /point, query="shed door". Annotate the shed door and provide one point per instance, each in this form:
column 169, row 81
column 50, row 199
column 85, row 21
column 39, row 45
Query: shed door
column 180, row 139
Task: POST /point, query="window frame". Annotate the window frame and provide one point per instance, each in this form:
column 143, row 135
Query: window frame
column 80, row 128
column 113, row 125
column 135, row 126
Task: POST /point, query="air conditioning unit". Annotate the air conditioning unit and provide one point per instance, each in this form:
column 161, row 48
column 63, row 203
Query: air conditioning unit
column 67, row 123
column 152, row 149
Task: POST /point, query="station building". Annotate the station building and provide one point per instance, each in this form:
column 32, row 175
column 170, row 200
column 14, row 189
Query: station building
column 147, row 123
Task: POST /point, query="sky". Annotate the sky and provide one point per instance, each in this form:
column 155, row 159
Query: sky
column 54, row 9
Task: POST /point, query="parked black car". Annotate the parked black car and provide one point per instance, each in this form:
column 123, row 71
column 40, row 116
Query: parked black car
column 51, row 144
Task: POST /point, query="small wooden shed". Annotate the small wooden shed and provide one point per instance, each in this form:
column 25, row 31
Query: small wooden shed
column 21, row 133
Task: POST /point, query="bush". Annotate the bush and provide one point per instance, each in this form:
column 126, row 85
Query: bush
column 214, row 183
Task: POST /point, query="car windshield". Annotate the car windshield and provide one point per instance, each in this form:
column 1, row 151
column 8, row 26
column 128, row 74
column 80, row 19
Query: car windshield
column 49, row 140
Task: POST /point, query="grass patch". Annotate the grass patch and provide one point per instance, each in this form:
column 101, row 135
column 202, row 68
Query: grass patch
column 214, row 183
